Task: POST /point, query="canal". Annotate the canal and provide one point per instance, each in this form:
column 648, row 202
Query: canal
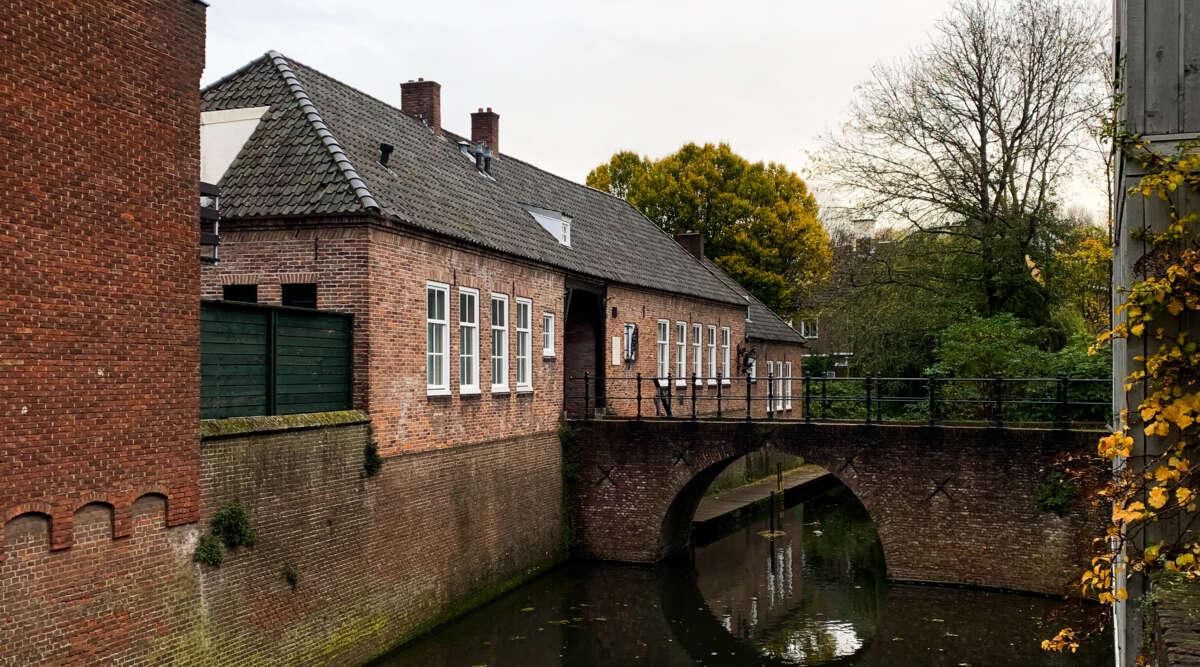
column 816, row 594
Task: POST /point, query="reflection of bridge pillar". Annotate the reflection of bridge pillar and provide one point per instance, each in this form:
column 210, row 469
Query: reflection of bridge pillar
column 951, row 505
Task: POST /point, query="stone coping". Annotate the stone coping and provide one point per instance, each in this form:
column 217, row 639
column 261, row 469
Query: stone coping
column 236, row 426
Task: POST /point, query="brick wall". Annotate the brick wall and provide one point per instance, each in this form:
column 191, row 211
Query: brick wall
column 952, row 505
column 379, row 559
column 98, row 320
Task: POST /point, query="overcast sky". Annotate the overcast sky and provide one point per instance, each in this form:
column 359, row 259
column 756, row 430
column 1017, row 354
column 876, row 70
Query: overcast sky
column 574, row 82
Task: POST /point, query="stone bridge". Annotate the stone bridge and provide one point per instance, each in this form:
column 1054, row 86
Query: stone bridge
column 952, row 505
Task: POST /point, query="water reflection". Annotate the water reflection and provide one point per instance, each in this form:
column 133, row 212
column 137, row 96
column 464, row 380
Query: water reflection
column 814, row 595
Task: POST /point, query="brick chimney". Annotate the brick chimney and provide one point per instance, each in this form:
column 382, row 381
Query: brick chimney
column 423, row 99
column 692, row 242
column 485, row 129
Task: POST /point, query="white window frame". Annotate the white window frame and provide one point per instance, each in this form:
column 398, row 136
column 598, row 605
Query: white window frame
column 810, row 327
column 681, row 353
column 524, row 345
column 698, row 351
column 778, row 386
column 753, row 370
column 468, row 331
column 663, row 350
column 629, row 334
column 547, row 334
column 726, row 337
column 712, row 354
column 787, row 388
column 443, row 364
column 500, row 355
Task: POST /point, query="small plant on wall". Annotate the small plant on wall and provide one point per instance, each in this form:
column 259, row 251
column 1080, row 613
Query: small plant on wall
column 1056, row 493
column 209, row 552
column 231, row 524
column 372, row 461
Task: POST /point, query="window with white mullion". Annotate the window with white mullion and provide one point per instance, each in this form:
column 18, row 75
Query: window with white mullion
column 725, row 336
column 437, row 339
column 547, row 334
column 778, row 385
column 664, row 349
column 787, row 388
column 712, row 355
column 468, row 341
column 499, row 324
column 680, row 352
column 697, row 354
column 524, row 344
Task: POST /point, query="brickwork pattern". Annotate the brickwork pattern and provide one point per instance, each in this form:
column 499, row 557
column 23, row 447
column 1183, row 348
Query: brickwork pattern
column 379, row 559
column 952, row 505
column 98, row 320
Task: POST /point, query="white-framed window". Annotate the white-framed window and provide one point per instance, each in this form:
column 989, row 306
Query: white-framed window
column 547, row 334
column 778, row 385
column 499, row 323
column 524, row 345
column 664, row 348
column 437, row 339
column 787, row 388
column 468, row 341
column 680, row 353
column 808, row 328
column 556, row 223
column 629, row 341
column 697, row 353
column 725, row 336
column 712, row 355
column 752, row 371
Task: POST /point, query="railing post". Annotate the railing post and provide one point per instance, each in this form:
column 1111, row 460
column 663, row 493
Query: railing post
column 639, row 395
column 693, row 397
column 867, row 383
column 998, row 408
column 771, row 395
column 807, row 398
column 749, row 405
column 720, row 380
column 931, row 390
column 586, row 397
column 1060, row 408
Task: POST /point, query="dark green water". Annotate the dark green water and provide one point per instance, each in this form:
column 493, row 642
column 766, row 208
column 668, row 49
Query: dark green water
column 816, row 595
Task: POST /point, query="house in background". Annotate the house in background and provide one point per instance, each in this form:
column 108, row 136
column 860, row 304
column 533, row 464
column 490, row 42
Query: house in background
column 482, row 288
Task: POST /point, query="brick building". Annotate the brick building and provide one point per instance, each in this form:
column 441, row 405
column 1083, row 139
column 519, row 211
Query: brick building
column 483, row 288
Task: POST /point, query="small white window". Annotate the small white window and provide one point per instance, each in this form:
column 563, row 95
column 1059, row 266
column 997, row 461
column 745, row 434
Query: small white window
column 468, row 341
column 524, row 345
column 664, row 348
column 697, row 345
column 808, row 328
column 753, row 370
column 499, row 343
column 555, row 223
column 630, row 342
column 680, row 352
column 547, row 334
column 787, row 388
column 437, row 340
column 725, row 355
column 712, row 355
column 778, row 385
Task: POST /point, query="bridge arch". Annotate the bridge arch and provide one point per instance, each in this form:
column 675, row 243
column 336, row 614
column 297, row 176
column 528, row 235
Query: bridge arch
column 950, row 505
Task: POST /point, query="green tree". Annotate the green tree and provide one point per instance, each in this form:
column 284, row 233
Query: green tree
column 759, row 221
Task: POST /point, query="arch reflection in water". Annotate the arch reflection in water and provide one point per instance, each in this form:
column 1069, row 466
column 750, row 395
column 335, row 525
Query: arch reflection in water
column 831, row 606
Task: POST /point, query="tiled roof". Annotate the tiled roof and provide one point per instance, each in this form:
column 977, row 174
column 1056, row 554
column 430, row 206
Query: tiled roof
column 316, row 152
column 761, row 321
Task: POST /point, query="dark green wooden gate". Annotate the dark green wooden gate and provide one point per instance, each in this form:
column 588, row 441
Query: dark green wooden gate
column 268, row 360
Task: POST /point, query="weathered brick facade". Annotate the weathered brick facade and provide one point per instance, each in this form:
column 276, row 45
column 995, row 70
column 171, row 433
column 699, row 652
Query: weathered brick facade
column 98, row 322
column 952, row 505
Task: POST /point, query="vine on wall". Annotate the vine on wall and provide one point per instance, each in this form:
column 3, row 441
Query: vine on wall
column 1158, row 312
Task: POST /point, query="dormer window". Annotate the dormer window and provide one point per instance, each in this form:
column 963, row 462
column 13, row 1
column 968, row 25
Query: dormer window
column 555, row 223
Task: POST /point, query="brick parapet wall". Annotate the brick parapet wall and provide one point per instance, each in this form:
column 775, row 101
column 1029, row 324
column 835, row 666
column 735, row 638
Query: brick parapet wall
column 951, row 505
column 98, row 321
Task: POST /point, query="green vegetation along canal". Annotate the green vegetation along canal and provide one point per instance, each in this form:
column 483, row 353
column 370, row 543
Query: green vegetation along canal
column 816, row 595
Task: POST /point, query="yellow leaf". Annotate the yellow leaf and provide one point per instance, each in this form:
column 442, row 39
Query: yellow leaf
column 1158, row 497
column 1137, row 329
column 1183, row 495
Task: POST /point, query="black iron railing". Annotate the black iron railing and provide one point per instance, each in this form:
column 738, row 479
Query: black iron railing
column 1062, row 402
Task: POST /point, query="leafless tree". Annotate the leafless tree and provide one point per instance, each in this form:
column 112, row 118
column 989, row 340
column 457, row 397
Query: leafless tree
column 970, row 136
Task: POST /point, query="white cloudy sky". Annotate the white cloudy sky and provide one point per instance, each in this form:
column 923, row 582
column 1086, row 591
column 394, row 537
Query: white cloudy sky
column 575, row 81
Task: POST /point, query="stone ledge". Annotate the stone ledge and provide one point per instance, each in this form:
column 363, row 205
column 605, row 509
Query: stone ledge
column 211, row 429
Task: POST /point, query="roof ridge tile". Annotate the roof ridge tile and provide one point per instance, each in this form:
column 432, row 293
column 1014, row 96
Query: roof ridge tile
column 365, row 198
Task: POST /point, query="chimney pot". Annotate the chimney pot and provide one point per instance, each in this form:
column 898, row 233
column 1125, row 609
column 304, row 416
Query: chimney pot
column 485, row 129
column 423, row 99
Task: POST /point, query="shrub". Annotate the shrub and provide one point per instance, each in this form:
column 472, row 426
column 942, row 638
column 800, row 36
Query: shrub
column 209, row 552
column 372, row 461
column 231, row 524
column 1056, row 493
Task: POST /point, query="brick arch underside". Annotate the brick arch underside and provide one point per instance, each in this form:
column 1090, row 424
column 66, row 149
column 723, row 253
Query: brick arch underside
column 950, row 505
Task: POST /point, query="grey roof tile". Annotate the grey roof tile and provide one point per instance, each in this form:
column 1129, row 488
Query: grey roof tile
column 428, row 183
